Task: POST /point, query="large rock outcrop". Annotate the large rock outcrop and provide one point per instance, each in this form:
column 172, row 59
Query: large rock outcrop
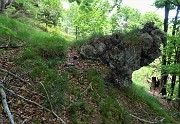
column 125, row 55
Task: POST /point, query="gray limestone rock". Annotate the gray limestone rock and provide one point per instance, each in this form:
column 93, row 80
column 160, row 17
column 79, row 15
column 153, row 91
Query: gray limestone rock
column 123, row 57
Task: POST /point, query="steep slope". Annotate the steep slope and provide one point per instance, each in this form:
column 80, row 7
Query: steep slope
column 52, row 84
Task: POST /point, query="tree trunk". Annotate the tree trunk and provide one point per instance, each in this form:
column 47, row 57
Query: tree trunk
column 175, row 20
column 173, row 81
column 153, row 85
column 179, row 94
column 164, row 75
column 3, row 4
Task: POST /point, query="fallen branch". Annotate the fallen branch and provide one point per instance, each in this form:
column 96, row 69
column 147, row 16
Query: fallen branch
column 143, row 120
column 14, row 75
column 8, row 47
column 47, row 95
column 5, row 105
column 30, row 101
column 89, row 87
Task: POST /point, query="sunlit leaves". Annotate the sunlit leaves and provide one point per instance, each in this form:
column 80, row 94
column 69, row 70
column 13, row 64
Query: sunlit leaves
column 161, row 3
column 172, row 69
column 152, row 17
column 89, row 17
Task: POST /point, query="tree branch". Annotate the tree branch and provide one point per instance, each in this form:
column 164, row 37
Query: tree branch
column 5, row 104
column 143, row 120
column 176, row 4
column 47, row 95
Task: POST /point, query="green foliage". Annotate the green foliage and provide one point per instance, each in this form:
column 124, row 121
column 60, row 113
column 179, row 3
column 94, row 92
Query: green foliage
column 140, row 92
column 171, row 69
column 126, row 18
column 86, row 20
column 161, row 3
column 152, row 17
column 50, row 12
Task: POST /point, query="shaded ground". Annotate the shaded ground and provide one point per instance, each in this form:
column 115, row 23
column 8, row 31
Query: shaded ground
column 85, row 101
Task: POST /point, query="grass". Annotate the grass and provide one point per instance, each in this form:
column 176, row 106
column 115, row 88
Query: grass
column 104, row 99
column 140, row 90
column 76, row 43
column 42, row 51
column 44, row 44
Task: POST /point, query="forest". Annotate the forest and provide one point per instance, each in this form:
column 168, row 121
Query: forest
column 89, row 62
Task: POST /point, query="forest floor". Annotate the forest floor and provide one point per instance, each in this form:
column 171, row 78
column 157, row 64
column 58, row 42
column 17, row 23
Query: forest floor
column 87, row 100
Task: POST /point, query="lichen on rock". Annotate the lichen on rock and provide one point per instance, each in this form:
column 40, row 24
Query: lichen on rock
column 125, row 57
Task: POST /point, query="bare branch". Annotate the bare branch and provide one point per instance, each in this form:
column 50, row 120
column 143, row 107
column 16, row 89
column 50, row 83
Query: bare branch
column 4, row 102
column 6, row 107
column 47, row 95
column 143, row 120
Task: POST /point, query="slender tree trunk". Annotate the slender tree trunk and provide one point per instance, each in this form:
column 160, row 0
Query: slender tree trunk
column 179, row 94
column 164, row 75
column 176, row 52
column 175, row 20
column 3, row 4
column 173, row 82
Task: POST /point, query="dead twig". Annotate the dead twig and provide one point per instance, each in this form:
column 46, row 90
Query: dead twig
column 89, row 87
column 5, row 104
column 47, row 95
column 14, row 75
column 143, row 120
column 33, row 102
